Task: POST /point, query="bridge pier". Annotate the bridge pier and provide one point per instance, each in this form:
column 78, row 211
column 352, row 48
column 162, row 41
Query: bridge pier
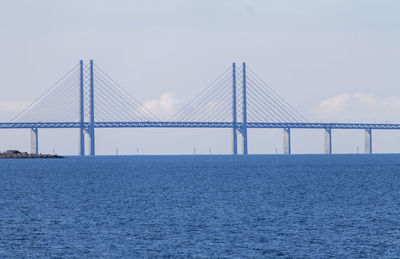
column 328, row 141
column 286, row 141
column 34, row 141
column 368, row 141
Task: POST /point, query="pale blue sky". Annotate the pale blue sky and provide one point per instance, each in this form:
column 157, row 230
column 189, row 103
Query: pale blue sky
column 332, row 60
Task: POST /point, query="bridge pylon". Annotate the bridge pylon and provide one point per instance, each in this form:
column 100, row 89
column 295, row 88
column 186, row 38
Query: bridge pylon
column 89, row 128
column 91, row 125
column 234, row 115
column 81, row 111
column 244, row 103
column 242, row 129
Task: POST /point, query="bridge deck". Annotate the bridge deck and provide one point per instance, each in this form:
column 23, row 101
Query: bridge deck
column 264, row 125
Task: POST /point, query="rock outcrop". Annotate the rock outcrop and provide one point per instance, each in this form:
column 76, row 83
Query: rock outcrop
column 18, row 154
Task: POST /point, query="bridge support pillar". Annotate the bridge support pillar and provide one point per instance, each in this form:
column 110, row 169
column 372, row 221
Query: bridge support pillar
column 286, row 141
column 328, row 141
column 368, row 141
column 34, row 141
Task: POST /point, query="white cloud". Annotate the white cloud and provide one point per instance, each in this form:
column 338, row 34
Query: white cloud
column 164, row 107
column 9, row 110
column 360, row 107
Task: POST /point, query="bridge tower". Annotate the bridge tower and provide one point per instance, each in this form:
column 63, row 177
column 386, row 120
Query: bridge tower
column 244, row 103
column 234, row 119
column 82, row 108
column 243, row 128
column 81, row 112
column 91, row 125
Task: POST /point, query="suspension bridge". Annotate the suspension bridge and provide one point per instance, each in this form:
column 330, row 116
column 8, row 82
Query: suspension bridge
column 87, row 98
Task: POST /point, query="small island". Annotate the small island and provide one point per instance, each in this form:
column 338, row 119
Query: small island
column 18, row 154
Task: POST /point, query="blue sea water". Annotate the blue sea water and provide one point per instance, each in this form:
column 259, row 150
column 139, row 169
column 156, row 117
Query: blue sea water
column 298, row 206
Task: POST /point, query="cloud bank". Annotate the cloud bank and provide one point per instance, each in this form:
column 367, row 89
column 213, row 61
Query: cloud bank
column 9, row 110
column 164, row 107
column 360, row 107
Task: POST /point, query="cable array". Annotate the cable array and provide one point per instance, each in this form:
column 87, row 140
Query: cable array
column 60, row 103
column 265, row 105
column 115, row 104
column 213, row 104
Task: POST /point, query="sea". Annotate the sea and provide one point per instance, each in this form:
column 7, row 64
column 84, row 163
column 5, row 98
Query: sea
column 201, row 206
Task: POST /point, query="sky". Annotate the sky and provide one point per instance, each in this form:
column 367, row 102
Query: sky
column 331, row 60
